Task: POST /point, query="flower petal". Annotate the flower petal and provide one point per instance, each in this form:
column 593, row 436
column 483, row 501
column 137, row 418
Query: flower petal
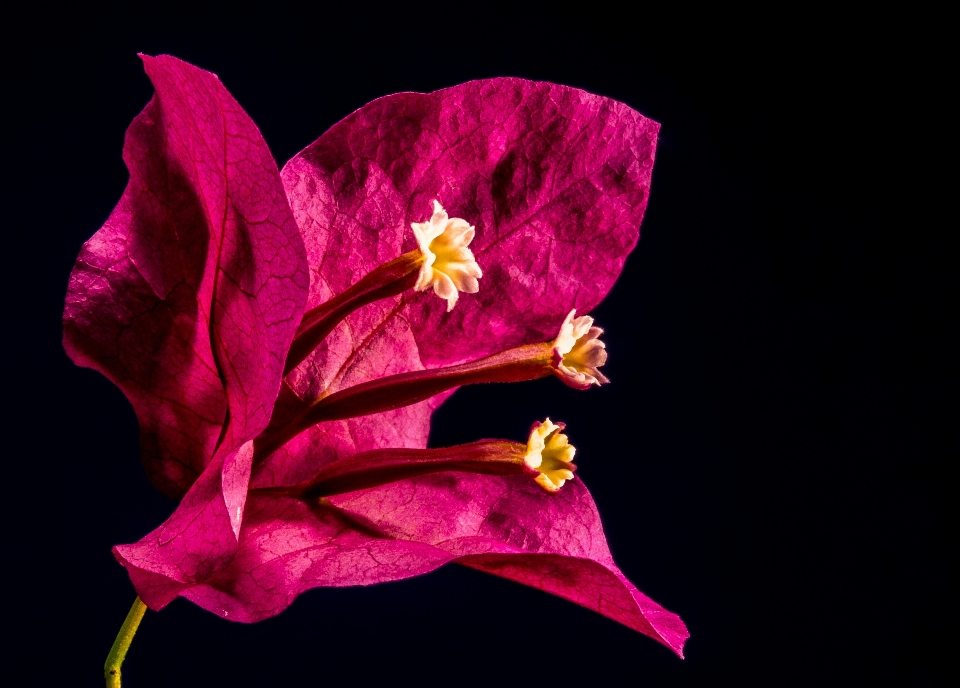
column 602, row 588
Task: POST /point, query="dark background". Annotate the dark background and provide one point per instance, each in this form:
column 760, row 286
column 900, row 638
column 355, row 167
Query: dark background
column 766, row 461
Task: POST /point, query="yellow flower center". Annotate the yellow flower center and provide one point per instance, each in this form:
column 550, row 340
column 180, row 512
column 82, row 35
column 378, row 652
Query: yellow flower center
column 581, row 350
column 550, row 455
column 448, row 266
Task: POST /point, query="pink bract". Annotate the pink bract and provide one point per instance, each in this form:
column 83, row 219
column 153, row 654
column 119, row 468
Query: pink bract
column 190, row 294
column 504, row 525
column 189, row 297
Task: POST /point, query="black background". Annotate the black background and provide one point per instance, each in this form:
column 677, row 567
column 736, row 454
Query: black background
column 766, row 461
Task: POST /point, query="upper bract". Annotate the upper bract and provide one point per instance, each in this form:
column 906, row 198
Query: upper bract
column 190, row 294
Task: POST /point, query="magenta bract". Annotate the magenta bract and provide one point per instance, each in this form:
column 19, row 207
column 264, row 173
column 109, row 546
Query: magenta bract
column 190, row 295
column 505, row 525
column 191, row 292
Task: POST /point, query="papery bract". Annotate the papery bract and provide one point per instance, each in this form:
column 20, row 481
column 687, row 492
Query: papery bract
column 505, row 525
column 189, row 295
column 188, row 299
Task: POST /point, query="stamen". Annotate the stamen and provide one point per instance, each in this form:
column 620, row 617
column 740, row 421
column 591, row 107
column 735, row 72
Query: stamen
column 578, row 352
column 549, row 455
column 448, row 266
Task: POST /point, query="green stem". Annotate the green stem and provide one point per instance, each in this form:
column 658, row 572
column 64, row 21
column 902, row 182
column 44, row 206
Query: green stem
column 111, row 668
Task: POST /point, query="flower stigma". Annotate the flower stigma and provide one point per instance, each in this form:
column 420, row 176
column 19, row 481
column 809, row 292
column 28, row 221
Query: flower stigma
column 549, row 455
column 578, row 352
column 448, row 266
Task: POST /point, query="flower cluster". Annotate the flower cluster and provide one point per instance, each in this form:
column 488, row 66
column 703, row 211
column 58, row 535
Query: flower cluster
column 276, row 335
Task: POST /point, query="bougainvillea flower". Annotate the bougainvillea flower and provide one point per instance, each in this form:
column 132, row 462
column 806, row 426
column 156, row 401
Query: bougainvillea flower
column 449, row 266
column 285, row 336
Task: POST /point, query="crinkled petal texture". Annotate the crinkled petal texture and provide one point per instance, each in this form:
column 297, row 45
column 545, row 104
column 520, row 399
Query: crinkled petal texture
column 189, row 296
column 554, row 179
column 507, row 526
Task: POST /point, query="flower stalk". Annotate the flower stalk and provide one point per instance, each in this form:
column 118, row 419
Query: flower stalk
column 111, row 668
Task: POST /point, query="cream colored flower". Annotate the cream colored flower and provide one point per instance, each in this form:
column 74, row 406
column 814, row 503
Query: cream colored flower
column 448, row 266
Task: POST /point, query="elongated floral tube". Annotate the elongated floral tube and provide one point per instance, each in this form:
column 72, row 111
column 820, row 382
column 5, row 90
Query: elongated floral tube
column 528, row 362
column 546, row 457
column 573, row 357
column 383, row 466
column 389, row 279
